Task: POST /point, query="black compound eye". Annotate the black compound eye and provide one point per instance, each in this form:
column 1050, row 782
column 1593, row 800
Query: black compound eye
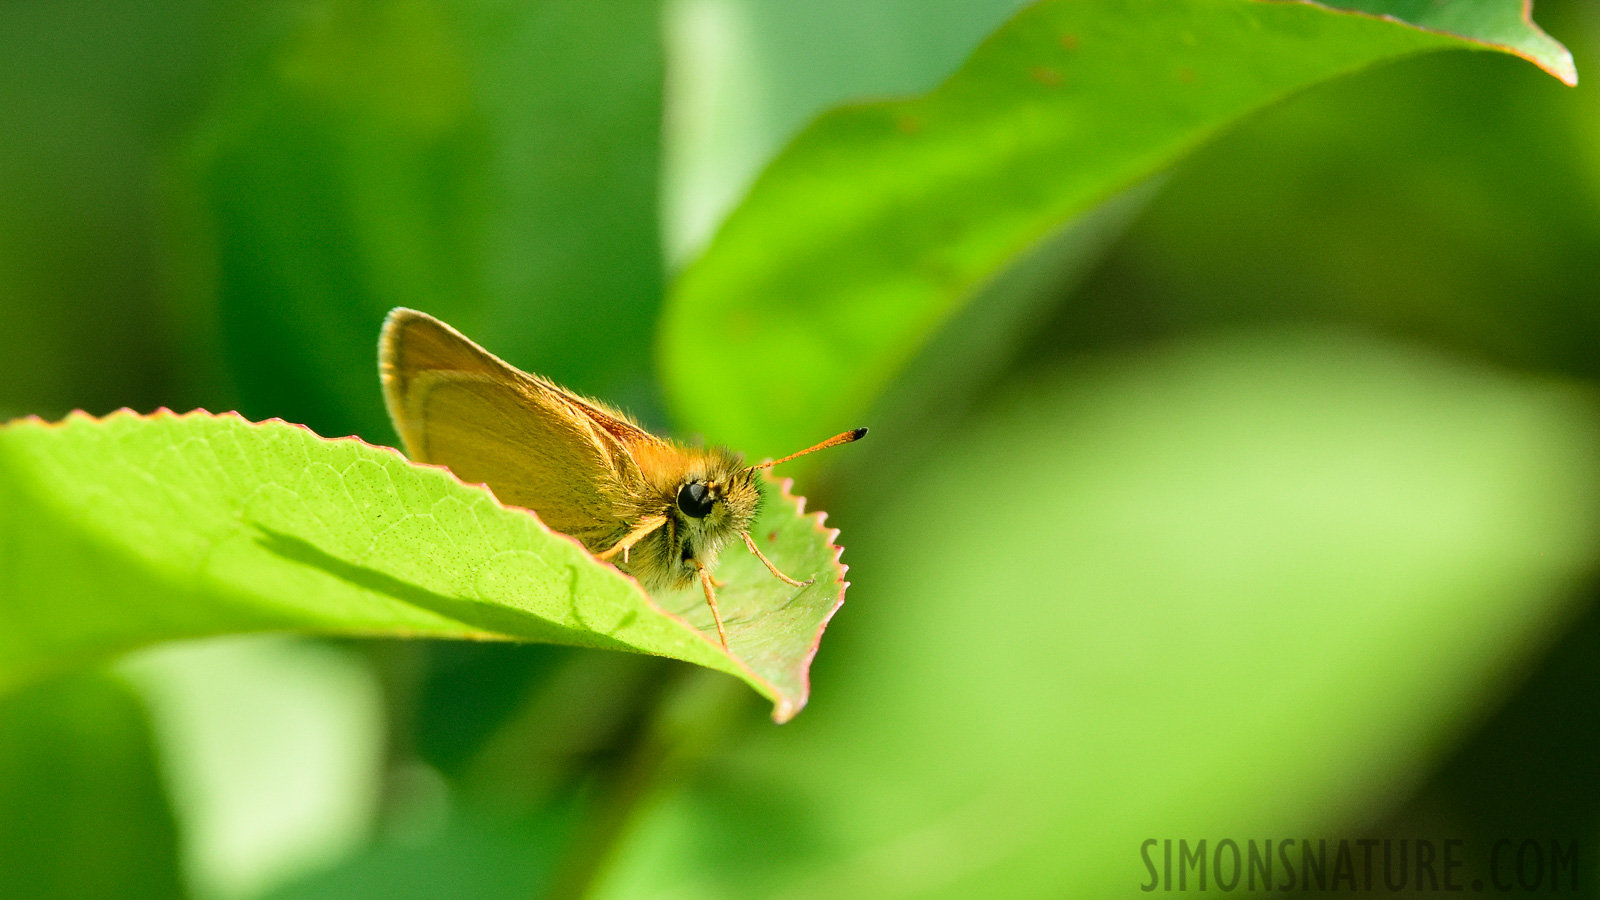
column 694, row 500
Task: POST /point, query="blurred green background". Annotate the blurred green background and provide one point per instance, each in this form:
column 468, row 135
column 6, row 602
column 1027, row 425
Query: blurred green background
column 1274, row 516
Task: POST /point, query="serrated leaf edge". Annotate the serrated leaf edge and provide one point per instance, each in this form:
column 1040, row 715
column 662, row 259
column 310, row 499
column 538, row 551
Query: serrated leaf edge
column 784, row 708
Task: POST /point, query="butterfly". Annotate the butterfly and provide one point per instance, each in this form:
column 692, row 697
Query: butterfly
column 657, row 509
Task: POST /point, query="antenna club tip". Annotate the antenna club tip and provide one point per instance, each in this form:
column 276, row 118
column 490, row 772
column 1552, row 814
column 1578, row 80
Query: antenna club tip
column 834, row 441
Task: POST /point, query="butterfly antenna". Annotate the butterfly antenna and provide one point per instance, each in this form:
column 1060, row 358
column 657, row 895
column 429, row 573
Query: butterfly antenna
column 834, row 441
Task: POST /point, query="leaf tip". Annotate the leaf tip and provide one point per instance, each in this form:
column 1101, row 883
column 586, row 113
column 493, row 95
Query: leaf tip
column 784, row 710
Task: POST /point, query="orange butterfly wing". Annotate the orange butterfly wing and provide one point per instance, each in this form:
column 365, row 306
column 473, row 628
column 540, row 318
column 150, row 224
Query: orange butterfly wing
column 536, row 445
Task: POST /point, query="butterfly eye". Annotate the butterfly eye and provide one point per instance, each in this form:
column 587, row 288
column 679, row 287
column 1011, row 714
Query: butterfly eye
column 694, row 500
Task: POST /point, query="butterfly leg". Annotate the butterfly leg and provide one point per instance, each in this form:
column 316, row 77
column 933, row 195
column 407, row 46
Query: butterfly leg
column 748, row 542
column 711, row 600
column 639, row 533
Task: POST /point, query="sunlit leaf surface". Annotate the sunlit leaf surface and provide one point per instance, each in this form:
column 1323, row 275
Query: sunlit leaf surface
column 130, row 530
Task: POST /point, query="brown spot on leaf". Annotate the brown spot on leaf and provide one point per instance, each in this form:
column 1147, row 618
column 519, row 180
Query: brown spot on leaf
column 1046, row 76
column 1186, row 75
column 1069, row 42
column 909, row 124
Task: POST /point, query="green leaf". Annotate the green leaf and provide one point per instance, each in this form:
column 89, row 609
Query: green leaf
column 85, row 815
column 749, row 75
column 119, row 532
column 1381, row 201
column 1244, row 587
column 272, row 750
column 1502, row 24
column 881, row 219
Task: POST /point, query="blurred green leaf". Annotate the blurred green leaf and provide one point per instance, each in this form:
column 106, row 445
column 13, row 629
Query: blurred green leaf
column 1245, row 587
column 494, row 163
column 271, row 749
column 84, row 812
column 128, row 530
column 748, row 75
column 1382, row 201
column 866, row 234
column 1502, row 24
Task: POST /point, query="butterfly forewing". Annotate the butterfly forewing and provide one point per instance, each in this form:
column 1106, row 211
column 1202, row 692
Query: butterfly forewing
column 534, row 444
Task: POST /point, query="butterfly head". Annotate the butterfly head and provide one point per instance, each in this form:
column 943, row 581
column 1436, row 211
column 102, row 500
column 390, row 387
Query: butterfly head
column 719, row 498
